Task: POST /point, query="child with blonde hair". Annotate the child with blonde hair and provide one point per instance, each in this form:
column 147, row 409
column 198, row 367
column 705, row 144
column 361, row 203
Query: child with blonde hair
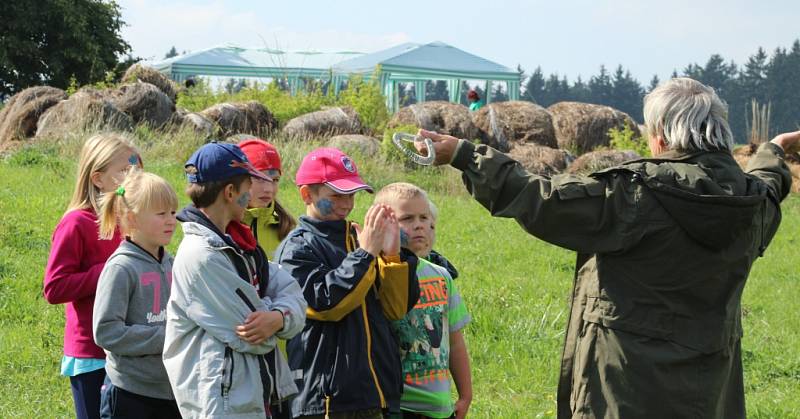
column 77, row 256
column 432, row 346
column 132, row 293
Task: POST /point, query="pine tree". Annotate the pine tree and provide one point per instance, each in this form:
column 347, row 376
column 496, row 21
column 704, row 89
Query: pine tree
column 600, row 88
column 171, row 53
column 534, row 88
column 654, row 82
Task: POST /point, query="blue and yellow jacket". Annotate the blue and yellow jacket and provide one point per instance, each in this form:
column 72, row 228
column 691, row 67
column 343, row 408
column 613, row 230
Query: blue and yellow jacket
column 346, row 358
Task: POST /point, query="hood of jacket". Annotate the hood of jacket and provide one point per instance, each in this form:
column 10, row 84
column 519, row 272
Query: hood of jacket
column 706, row 193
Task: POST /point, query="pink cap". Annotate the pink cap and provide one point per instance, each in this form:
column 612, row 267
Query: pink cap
column 333, row 168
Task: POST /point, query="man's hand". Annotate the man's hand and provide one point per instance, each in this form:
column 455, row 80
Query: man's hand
column 260, row 326
column 788, row 141
column 371, row 236
column 444, row 145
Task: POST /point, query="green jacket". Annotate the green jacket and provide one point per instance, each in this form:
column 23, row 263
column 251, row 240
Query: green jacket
column 264, row 222
column 664, row 249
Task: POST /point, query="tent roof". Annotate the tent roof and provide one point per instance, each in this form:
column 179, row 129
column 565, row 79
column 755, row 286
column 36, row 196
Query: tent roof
column 231, row 60
column 418, row 61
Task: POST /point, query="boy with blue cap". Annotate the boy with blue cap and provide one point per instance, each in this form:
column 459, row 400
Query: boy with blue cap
column 225, row 311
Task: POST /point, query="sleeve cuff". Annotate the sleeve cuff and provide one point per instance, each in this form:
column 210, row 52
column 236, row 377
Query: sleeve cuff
column 776, row 149
column 391, row 259
column 463, row 155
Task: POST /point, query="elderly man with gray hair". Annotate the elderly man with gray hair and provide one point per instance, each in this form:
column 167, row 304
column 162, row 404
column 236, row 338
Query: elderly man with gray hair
column 664, row 247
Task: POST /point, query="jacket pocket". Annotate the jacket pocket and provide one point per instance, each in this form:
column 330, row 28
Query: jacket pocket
column 227, row 378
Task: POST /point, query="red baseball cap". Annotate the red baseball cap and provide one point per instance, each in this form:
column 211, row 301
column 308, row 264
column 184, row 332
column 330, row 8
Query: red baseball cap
column 333, row 168
column 262, row 155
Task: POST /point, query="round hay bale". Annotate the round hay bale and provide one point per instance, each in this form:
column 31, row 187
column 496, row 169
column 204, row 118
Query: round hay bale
column 504, row 124
column 81, row 113
column 145, row 103
column 541, row 160
column 583, row 127
column 354, row 143
column 594, row 161
column 138, row 72
column 440, row 116
column 324, row 123
column 241, row 118
column 20, row 116
column 183, row 119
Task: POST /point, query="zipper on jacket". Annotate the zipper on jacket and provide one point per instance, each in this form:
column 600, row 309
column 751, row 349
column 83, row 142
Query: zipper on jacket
column 227, row 377
column 369, row 356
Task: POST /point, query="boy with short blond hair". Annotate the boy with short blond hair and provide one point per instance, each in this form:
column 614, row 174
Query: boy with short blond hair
column 356, row 280
column 431, row 342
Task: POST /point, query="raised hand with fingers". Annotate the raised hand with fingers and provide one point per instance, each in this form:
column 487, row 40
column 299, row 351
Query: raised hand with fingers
column 788, row 141
column 371, row 235
column 445, row 146
column 391, row 241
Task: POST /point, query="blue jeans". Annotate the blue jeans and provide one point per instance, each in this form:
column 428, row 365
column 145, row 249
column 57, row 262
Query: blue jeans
column 120, row 404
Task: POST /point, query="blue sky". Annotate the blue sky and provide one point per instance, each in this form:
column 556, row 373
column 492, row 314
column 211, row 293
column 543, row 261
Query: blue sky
column 567, row 37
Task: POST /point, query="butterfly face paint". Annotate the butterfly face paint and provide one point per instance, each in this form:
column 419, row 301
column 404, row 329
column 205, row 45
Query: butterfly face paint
column 403, row 238
column 324, row 206
column 243, row 199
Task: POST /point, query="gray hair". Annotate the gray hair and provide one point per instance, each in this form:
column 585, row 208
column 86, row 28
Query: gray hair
column 689, row 115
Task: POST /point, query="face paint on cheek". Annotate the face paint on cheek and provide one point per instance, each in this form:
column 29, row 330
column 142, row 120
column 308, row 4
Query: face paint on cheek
column 243, row 200
column 324, row 206
column 133, row 160
column 403, row 238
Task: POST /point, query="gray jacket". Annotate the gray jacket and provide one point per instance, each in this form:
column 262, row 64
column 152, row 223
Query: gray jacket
column 213, row 372
column 129, row 318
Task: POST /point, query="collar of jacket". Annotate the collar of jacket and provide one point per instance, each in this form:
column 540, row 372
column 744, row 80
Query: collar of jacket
column 191, row 214
column 333, row 229
column 265, row 215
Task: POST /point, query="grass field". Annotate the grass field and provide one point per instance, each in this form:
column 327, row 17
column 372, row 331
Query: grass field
column 515, row 286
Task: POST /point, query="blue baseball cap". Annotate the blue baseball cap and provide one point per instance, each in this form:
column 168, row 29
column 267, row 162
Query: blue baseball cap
column 219, row 161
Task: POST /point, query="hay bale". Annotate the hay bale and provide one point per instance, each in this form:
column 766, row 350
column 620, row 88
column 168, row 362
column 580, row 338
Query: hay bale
column 594, row 161
column 324, row 123
column 144, row 102
column 241, row 118
column 138, row 72
column 20, row 116
column 81, row 113
column 183, row 119
column 440, row 116
column 504, row 124
column 354, row 143
column 541, row 160
column 583, row 127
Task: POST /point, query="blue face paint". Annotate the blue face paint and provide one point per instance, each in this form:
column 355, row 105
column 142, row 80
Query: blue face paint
column 403, row 238
column 133, row 160
column 324, row 206
column 244, row 199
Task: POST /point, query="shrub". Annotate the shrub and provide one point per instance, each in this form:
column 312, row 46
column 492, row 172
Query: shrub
column 368, row 100
column 626, row 139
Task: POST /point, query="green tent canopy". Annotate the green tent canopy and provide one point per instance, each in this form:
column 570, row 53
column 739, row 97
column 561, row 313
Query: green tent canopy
column 417, row 63
column 234, row 61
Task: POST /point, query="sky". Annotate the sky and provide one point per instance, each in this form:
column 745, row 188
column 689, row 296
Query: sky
column 569, row 37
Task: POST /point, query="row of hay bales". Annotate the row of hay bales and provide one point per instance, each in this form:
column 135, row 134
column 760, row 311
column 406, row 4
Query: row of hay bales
column 542, row 139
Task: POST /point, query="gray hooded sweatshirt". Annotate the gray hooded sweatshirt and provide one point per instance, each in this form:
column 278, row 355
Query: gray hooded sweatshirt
column 130, row 317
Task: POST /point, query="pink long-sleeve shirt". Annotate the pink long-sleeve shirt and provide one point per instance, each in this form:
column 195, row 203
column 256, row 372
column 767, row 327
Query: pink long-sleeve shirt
column 76, row 259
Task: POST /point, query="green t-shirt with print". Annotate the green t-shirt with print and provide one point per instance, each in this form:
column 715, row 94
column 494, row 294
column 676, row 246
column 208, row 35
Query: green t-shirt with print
column 424, row 337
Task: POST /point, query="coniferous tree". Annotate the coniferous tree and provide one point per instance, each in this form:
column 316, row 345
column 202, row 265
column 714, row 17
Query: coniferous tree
column 171, row 53
column 534, row 88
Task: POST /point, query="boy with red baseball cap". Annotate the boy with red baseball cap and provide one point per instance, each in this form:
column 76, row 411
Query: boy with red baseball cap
column 355, row 280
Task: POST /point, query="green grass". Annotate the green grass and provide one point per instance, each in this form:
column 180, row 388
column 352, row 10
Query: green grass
column 516, row 288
